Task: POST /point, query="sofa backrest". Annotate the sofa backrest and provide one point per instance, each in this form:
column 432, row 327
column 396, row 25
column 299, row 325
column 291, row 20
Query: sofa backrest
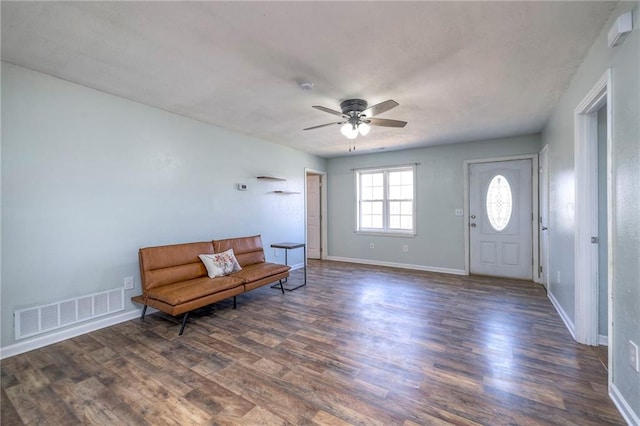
column 248, row 250
column 168, row 264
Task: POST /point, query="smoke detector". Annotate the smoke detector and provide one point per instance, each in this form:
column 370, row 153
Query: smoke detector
column 306, row 86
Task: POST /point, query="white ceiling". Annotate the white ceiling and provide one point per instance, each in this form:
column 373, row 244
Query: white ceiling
column 461, row 71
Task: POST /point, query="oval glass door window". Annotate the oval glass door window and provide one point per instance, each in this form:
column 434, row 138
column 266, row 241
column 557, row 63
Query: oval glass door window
column 499, row 202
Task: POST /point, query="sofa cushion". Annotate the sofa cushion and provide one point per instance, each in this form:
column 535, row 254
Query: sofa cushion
column 182, row 292
column 164, row 276
column 259, row 271
column 168, row 264
column 173, row 255
column 248, row 250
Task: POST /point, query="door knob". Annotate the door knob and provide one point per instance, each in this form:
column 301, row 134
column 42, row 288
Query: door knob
column 473, row 216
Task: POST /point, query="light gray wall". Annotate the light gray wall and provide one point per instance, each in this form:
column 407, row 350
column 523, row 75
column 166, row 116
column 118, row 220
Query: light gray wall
column 439, row 243
column 624, row 62
column 88, row 178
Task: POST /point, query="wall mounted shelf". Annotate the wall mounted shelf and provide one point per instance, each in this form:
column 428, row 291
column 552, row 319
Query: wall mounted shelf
column 270, row 178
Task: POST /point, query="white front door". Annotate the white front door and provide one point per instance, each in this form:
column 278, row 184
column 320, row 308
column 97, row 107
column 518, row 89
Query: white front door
column 500, row 215
column 313, row 216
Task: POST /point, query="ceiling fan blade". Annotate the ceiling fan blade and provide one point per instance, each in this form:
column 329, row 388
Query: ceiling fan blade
column 330, row 111
column 324, row 125
column 386, row 122
column 380, row 108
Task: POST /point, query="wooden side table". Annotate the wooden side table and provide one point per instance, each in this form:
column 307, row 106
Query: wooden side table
column 290, row 246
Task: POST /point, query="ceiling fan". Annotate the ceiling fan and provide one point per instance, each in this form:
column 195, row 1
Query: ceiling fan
column 357, row 118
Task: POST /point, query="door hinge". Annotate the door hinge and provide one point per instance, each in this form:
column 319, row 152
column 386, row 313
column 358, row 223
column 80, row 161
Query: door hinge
column 540, row 269
column 595, row 240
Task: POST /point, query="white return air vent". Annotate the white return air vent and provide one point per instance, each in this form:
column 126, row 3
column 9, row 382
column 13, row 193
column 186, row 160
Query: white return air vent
column 40, row 319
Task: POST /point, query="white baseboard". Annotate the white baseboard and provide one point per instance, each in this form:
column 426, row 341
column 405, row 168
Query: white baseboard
column 59, row 336
column 603, row 340
column 398, row 265
column 563, row 315
column 297, row 266
column 623, row 406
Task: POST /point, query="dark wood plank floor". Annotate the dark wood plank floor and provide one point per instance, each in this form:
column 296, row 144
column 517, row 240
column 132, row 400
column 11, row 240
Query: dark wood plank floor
column 358, row 345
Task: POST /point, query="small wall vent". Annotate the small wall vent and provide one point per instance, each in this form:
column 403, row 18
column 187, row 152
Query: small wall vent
column 40, row 319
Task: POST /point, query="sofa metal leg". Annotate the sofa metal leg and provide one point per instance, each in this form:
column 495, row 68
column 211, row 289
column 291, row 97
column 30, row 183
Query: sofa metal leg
column 184, row 322
column 281, row 287
column 144, row 311
column 234, row 302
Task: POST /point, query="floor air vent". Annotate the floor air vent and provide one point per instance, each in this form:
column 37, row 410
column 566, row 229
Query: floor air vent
column 40, row 319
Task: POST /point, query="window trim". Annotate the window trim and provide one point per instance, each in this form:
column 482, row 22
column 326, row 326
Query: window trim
column 386, row 231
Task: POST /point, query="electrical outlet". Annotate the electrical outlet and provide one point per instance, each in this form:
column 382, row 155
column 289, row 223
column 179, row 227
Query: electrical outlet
column 459, row 212
column 405, row 248
column 633, row 356
column 128, row 283
column 371, row 245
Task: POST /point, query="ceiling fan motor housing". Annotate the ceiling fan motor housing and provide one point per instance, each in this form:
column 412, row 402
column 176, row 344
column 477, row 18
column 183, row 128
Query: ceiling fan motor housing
column 353, row 105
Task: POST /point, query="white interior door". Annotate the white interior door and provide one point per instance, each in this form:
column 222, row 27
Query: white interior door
column 544, row 217
column 313, row 216
column 500, row 215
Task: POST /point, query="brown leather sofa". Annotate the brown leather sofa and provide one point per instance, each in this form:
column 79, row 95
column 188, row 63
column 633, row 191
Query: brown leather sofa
column 175, row 281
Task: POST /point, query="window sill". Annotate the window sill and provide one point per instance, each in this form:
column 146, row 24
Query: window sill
column 387, row 234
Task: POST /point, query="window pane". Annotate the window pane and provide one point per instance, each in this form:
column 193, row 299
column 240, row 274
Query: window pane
column 378, row 193
column 377, row 179
column 407, row 192
column 366, row 221
column 376, row 208
column 407, row 208
column 406, row 222
column 366, row 179
column 395, row 192
column 376, row 222
column 366, row 208
column 395, row 178
column 499, row 202
column 367, row 194
column 394, row 222
column 407, row 177
column 394, row 207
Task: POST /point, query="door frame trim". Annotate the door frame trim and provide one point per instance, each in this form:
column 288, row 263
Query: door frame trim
column 545, row 276
column 535, row 237
column 323, row 209
column 586, row 155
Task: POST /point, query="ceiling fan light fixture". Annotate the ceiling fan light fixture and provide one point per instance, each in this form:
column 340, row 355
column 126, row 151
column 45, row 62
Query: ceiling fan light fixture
column 349, row 130
column 364, row 128
column 357, row 118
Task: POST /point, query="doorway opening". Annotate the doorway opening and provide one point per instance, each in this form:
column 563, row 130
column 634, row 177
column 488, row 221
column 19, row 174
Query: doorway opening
column 315, row 214
column 593, row 222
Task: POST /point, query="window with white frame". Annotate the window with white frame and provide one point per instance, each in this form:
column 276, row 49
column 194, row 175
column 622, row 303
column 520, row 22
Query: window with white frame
column 386, row 200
